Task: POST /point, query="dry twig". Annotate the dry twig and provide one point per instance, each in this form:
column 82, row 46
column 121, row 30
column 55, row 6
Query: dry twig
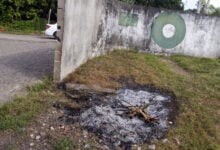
column 138, row 110
column 135, row 110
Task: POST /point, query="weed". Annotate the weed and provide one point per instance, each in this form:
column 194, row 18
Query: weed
column 11, row 147
column 35, row 26
column 23, row 109
column 64, row 144
column 40, row 86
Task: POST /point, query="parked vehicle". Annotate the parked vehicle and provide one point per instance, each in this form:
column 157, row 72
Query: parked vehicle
column 51, row 30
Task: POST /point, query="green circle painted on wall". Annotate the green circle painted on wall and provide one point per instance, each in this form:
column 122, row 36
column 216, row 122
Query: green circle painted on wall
column 168, row 30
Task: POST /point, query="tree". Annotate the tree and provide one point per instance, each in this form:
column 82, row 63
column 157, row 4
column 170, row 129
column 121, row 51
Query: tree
column 205, row 8
column 51, row 4
column 216, row 12
column 26, row 9
column 169, row 4
column 213, row 11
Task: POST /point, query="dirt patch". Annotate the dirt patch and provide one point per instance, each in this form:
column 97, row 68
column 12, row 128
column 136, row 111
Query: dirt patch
column 49, row 130
column 2, row 28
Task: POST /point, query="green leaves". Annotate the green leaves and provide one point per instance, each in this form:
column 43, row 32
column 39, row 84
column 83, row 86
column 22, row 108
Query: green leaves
column 11, row 10
column 170, row 4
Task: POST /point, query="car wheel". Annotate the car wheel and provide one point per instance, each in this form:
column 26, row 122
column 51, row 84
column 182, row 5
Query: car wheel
column 55, row 34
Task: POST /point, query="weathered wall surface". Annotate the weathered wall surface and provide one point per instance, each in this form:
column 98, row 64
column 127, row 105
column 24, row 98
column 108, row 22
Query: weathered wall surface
column 201, row 37
column 89, row 28
column 81, row 24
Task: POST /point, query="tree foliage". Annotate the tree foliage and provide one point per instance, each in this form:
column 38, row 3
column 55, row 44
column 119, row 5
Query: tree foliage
column 25, row 9
column 215, row 11
column 212, row 10
column 169, row 4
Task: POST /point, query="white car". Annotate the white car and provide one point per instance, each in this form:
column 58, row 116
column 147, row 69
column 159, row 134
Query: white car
column 51, row 30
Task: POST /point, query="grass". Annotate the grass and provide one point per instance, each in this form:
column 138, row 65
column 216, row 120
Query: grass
column 198, row 90
column 23, row 109
column 35, row 26
column 197, row 125
column 65, row 144
column 11, row 147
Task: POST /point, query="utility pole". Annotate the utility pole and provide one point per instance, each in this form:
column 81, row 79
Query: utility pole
column 49, row 14
column 199, row 6
column 207, row 7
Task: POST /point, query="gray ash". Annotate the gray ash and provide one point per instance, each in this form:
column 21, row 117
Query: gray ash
column 106, row 115
column 111, row 122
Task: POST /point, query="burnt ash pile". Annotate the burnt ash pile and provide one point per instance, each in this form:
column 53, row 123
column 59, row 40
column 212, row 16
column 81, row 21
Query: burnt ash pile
column 110, row 118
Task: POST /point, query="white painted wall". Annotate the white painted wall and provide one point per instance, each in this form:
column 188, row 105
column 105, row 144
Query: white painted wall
column 202, row 37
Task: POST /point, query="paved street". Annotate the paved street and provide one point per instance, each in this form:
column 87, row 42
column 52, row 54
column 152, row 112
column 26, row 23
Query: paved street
column 23, row 60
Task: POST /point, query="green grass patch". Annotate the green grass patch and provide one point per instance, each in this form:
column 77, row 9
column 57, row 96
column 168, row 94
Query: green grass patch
column 65, row 144
column 35, row 26
column 197, row 124
column 23, row 109
column 197, row 65
column 11, row 147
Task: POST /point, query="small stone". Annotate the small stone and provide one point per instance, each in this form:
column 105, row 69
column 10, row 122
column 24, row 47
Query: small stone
column 105, row 147
column 32, row 136
column 61, row 127
column 139, row 148
column 85, row 134
column 134, row 147
column 151, row 147
column 52, row 128
column 177, row 141
column 165, row 141
column 170, row 123
column 43, row 124
column 54, row 112
column 31, row 144
column 87, row 146
column 43, row 134
column 118, row 143
column 38, row 137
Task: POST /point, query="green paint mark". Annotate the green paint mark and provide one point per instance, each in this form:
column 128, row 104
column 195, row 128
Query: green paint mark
column 128, row 19
column 166, row 19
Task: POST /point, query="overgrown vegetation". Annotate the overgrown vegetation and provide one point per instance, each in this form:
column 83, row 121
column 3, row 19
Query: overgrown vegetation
column 34, row 26
column 11, row 10
column 169, row 4
column 26, row 16
column 23, row 109
column 196, row 83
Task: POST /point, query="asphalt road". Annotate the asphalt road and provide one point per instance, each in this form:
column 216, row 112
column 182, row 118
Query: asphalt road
column 24, row 60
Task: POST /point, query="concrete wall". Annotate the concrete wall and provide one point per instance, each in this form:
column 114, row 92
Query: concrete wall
column 81, row 24
column 89, row 28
